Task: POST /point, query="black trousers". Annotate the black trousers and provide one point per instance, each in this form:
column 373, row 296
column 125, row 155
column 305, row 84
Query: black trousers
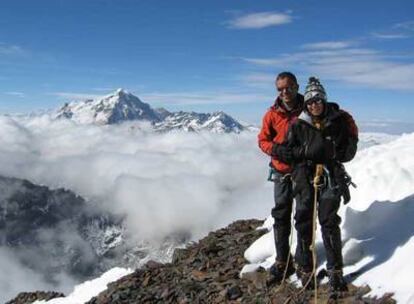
column 328, row 205
column 282, row 213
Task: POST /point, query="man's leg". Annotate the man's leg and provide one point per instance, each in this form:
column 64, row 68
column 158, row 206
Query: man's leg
column 281, row 213
column 331, row 235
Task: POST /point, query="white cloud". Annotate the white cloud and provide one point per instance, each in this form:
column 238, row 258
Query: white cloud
column 16, row 94
column 178, row 98
column 164, row 183
column 7, row 49
column 400, row 30
column 201, row 98
column 260, row 80
column 407, row 25
column 390, row 35
column 260, row 20
column 17, row 278
column 75, row 96
column 104, row 89
column 358, row 66
column 330, row 45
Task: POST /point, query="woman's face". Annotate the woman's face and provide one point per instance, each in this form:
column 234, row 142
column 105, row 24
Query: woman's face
column 315, row 108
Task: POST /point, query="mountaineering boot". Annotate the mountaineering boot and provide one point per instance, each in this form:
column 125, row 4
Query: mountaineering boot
column 306, row 278
column 337, row 284
column 277, row 272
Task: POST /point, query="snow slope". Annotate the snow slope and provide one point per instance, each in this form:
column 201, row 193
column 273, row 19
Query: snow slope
column 87, row 290
column 378, row 234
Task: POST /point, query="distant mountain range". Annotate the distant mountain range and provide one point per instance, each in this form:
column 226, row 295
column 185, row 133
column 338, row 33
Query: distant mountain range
column 123, row 106
column 54, row 232
column 51, row 231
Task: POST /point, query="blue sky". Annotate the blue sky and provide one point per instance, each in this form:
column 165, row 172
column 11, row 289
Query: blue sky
column 208, row 55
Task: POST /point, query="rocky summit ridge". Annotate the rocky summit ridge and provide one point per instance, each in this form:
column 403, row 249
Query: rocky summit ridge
column 121, row 106
column 208, row 272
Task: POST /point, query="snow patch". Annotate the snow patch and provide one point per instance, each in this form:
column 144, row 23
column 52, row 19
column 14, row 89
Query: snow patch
column 377, row 225
column 84, row 292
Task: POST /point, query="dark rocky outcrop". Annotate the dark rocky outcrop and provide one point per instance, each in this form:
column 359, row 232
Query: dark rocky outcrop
column 208, row 272
column 30, row 297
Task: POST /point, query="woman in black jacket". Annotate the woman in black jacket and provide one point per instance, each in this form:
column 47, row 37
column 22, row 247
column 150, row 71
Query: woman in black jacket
column 323, row 134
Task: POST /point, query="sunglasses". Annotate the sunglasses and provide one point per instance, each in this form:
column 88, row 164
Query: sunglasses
column 315, row 101
column 287, row 90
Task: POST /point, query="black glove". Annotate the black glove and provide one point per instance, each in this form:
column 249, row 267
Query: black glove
column 346, row 195
column 298, row 153
column 319, row 150
column 282, row 153
column 343, row 181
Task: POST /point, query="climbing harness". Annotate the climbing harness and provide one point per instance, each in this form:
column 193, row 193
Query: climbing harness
column 272, row 175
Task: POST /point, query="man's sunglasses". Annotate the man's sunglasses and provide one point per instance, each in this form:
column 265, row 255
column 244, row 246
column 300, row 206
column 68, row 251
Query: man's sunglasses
column 287, row 90
column 315, row 101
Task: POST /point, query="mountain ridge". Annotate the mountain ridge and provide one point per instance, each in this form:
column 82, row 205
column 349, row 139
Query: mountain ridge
column 121, row 106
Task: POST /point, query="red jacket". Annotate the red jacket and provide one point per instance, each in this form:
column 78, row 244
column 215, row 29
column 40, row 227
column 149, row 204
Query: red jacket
column 275, row 127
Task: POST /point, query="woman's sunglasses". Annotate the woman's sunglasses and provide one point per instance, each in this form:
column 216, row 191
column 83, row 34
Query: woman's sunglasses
column 315, row 101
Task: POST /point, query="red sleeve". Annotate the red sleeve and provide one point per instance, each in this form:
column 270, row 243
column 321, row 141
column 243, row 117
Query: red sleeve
column 266, row 135
column 351, row 125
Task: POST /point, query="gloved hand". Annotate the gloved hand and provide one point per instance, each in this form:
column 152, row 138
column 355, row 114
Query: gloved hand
column 298, row 153
column 282, row 153
column 342, row 180
column 319, row 150
column 346, row 195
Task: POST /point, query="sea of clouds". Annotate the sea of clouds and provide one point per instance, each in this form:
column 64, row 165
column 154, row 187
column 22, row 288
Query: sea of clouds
column 164, row 183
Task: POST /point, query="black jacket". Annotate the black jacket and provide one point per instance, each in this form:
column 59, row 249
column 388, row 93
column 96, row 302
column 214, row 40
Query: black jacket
column 332, row 145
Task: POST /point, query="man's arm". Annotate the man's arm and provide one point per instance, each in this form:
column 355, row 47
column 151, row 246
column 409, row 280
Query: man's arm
column 280, row 152
column 266, row 135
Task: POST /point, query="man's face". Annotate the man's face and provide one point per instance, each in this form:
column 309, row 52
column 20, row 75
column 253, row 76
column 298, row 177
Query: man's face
column 287, row 89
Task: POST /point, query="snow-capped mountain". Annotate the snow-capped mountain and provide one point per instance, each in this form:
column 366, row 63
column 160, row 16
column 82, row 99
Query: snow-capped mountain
column 123, row 106
column 114, row 108
column 217, row 122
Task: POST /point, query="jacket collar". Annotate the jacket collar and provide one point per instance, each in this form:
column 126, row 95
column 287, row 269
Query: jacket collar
column 279, row 107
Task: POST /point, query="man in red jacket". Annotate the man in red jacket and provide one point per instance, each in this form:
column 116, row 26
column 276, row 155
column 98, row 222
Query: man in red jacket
column 287, row 107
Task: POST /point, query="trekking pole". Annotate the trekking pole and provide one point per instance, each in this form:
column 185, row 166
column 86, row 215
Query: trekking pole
column 316, row 185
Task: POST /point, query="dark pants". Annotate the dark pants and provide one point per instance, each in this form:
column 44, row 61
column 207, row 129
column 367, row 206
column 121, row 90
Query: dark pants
column 282, row 213
column 328, row 205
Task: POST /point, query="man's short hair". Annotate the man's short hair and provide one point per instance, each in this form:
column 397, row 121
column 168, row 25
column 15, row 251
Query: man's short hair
column 289, row 75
